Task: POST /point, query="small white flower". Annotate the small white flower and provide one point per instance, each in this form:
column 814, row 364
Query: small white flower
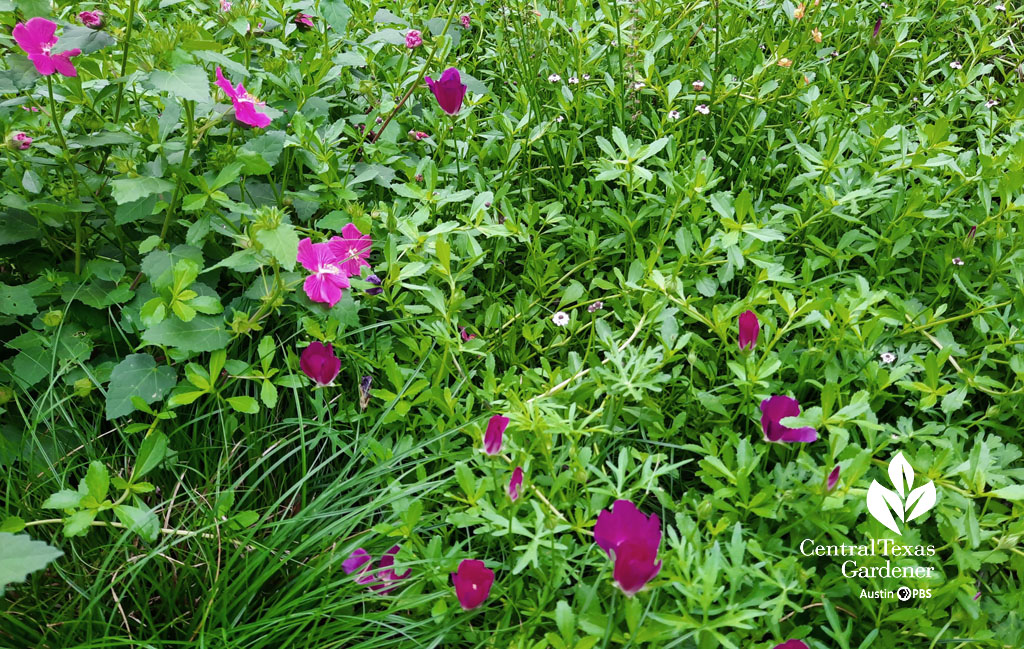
column 1000, row 7
column 887, row 357
column 673, row 114
column 559, row 119
column 639, row 85
column 596, row 306
column 561, row 318
column 703, row 109
column 586, row 77
column 554, row 78
column 573, row 80
column 698, row 85
column 956, row 65
column 991, row 102
column 957, row 261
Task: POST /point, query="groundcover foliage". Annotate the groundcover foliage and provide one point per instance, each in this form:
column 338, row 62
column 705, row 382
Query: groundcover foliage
column 593, row 341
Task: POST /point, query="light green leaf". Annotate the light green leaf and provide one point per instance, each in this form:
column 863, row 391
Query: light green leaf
column 16, row 300
column 137, row 376
column 151, row 453
column 1013, row 492
column 129, row 190
column 63, row 499
column 336, row 13
column 141, row 521
column 201, row 334
column 97, row 481
column 78, row 523
column 12, row 524
column 185, row 81
column 282, row 242
column 247, row 405
column 20, row 555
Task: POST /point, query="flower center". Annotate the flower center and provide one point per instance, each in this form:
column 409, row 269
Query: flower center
column 328, row 269
column 353, row 253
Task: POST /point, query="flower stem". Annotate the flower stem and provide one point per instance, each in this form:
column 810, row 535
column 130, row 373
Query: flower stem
column 132, row 7
column 77, row 217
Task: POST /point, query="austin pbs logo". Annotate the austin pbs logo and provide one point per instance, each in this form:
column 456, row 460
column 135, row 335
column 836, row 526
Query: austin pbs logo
column 903, row 502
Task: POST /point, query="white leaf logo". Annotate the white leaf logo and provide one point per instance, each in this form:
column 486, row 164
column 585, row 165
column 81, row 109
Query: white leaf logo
column 883, row 502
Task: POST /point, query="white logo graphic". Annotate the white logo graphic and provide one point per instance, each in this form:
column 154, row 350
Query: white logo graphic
column 882, row 502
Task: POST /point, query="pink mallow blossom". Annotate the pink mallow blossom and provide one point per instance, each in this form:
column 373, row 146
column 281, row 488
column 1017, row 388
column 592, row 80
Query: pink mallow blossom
column 631, row 540
column 413, row 39
column 351, row 249
column 37, row 37
column 327, row 278
column 383, row 580
column 304, row 21
column 19, row 141
column 472, row 583
column 319, row 363
column 515, row 484
column 91, row 19
column 244, row 103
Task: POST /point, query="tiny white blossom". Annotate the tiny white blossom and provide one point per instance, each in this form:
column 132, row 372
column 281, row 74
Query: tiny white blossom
column 698, row 85
column 573, row 80
column 703, row 109
column 673, row 114
column 639, row 85
column 956, row 65
column 561, row 318
column 586, row 77
column 559, row 119
column 991, row 102
column 554, row 78
column 957, row 261
column 1000, row 7
column 887, row 357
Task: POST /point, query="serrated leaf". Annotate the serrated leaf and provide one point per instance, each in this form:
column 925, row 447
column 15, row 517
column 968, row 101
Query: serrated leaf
column 282, row 242
column 186, row 81
column 201, row 334
column 63, row 499
column 21, row 555
column 129, row 190
column 247, row 405
column 137, row 376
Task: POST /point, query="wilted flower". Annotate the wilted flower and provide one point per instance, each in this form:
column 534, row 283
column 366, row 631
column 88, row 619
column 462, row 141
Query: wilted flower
column 573, row 81
column 785, row 63
column 515, row 483
column 750, row 327
column 561, row 318
column 351, row 249
column 698, row 85
column 792, row 644
column 449, row 90
column 596, row 306
column 244, row 103
column 464, row 19
column 383, row 580
column 631, row 540
column 328, row 278
column 798, row 13
column 19, row 141
column 495, row 430
column 466, row 336
column 304, row 21
column 887, row 357
column 91, row 19
column 414, row 39
column 673, row 114
column 816, row 35
column 554, row 78
column 956, row 65
column 833, row 479
column 364, row 392
column 376, row 290
column 702, row 109
column 957, row 261
column 37, row 37
column 319, row 363
column 776, row 408
column 472, row 582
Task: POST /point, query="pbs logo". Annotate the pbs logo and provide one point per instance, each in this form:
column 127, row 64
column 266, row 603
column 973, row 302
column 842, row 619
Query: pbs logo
column 904, row 593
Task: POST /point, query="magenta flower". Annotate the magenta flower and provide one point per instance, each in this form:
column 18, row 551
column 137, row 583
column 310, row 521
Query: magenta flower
column 749, row 329
column 225, row 6
column 418, row 135
column 473, row 583
column 492, row 438
column 244, row 103
column 449, row 90
column 878, row 27
column 37, row 37
column 328, row 277
column 631, row 540
column 515, row 484
column 383, row 581
column 777, row 408
column 19, row 141
column 464, row 19
column 351, row 249
column 319, row 363
column 413, row 39
column 833, row 479
column 465, row 336
column 304, row 21
column 91, row 19
column 792, row 644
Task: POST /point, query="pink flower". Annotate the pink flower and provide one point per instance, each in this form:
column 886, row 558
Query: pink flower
column 19, row 141
column 31, row 109
column 792, row 644
column 225, row 6
column 749, row 329
column 492, row 438
column 465, row 336
column 833, row 479
column 631, row 540
column 449, row 90
column 473, row 583
column 383, row 580
column 352, row 249
column 418, row 135
column 776, row 408
column 319, row 363
column 91, row 19
column 244, row 103
column 515, row 484
column 328, row 278
column 304, row 21
column 413, row 39
column 37, row 37
column 464, row 19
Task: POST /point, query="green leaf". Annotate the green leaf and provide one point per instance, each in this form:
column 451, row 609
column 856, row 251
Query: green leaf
column 12, row 524
column 20, row 555
column 78, row 523
column 185, row 81
column 141, row 521
column 247, row 405
column 134, row 210
column 201, row 334
column 33, row 8
column 1013, row 492
column 151, row 454
column 137, row 376
column 84, row 38
column 19, row 75
column 282, row 242
column 336, row 13
column 16, row 300
column 129, row 190
column 97, row 480
column 63, row 499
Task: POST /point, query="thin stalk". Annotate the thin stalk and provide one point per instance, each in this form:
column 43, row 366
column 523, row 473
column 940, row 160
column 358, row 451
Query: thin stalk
column 124, row 56
column 77, row 218
column 185, row 159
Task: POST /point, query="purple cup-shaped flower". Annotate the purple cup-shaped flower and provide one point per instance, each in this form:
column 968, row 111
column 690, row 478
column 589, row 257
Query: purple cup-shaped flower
column 833, row 479
column 449, row 90
column 319, row 363
column 473, row 583
column 515, row 484
column 749, row 329
column 776, row 408
column 631, row 539
column 792, row 644
column 492, row 438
